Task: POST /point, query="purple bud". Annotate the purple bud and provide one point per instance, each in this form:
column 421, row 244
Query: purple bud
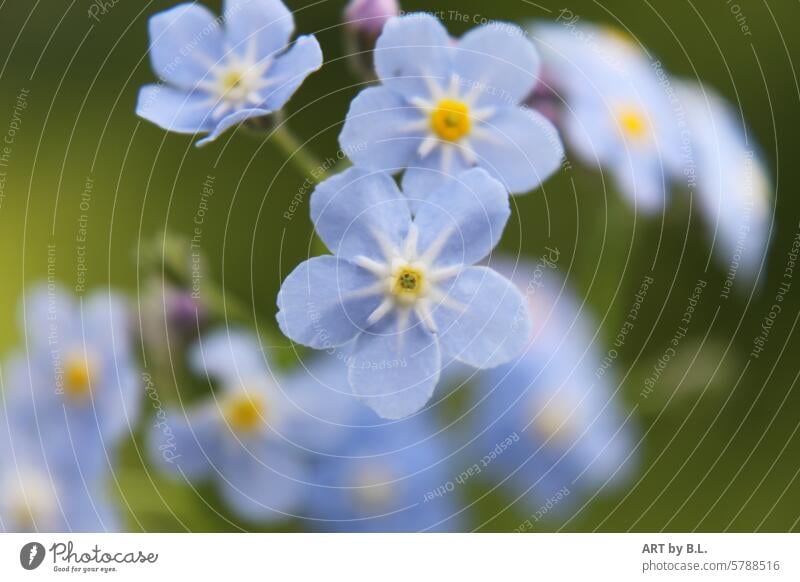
column 185, row 312
column 369, row 16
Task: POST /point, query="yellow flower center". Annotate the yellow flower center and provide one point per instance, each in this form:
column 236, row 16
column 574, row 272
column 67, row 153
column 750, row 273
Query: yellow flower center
column 450, row 120
column 232, row 79
column 374, row 488
column 408, row 283
column 245, row 412
column 555, row 422
column 620, row 36
column 633, row 123
column 77, row 378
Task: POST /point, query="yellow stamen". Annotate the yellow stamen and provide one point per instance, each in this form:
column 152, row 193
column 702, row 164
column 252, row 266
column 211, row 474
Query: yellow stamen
column 408, row 283
column 555, row 422
column 450, row 120
column 633, row 123
column 374, row 489
column 77, row 378
column 232, row 79
column 619, row 35
column 245, row 412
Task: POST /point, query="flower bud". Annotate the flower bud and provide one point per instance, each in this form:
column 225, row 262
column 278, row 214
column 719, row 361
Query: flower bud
column 367, row 17
column 364, row 21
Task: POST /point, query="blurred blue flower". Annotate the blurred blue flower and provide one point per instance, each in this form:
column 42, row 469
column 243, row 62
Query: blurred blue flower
column 213, row 79
column 76, row 383
column 251, row 436
column 41, row 496
column 733, row 183
column 552, row 429
column 400, row 294
column 445, row 106
column 385, row 478
column 619, row 111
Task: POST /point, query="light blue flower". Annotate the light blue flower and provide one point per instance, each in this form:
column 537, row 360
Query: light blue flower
column 619, row 111
column 445, row 106
column 732, row 180
column 399, row 294
column 392, row 477
column 77, row 377
column 213, row 79
column 252, row 436
column 37, row 494
column 552, row 428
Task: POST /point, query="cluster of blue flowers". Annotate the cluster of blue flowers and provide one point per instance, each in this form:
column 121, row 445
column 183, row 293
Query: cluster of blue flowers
column 410, row 298
column 624, row 113
column 70, row 398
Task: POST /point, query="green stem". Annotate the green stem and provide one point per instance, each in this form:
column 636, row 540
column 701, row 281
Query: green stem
column 309, row 165
column 304, row 160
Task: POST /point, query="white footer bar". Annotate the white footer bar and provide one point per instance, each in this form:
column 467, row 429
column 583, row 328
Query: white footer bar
column 401, row 557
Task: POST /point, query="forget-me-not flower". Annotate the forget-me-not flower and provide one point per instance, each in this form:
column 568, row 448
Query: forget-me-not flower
column 400, row 293
column 619, row 112
column 556, row 422
column 733, row 183
column 250, row 436
column 38, row 494
column 213, row 77
column 78, row 376
column 444, row 106
column 385, row 478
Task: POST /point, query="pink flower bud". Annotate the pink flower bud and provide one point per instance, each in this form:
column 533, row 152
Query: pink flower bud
column 369, row 16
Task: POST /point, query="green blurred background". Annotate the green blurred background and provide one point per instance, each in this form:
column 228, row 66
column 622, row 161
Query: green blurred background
column 721, row 449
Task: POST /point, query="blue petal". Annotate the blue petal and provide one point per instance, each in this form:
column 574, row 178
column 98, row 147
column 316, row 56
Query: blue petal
column 228, row 355
column 412, row 52
column 291, row 69
column 353, row 208
column 375, row 133
column 174, row 109
column 48, row 312
column 107, row 321
column 186, row 446
column 523, row 150
column 229, row 121
column 117, row 394
column 326, row 408
column 185, row 42
column 88, row 508
column 500, row 60
column 262, row 482
column 643, row 179
column 314, row 307
column 493, row 326
column 428, row 174
column 267, row 23
column 472, row 211
column 395, row 371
